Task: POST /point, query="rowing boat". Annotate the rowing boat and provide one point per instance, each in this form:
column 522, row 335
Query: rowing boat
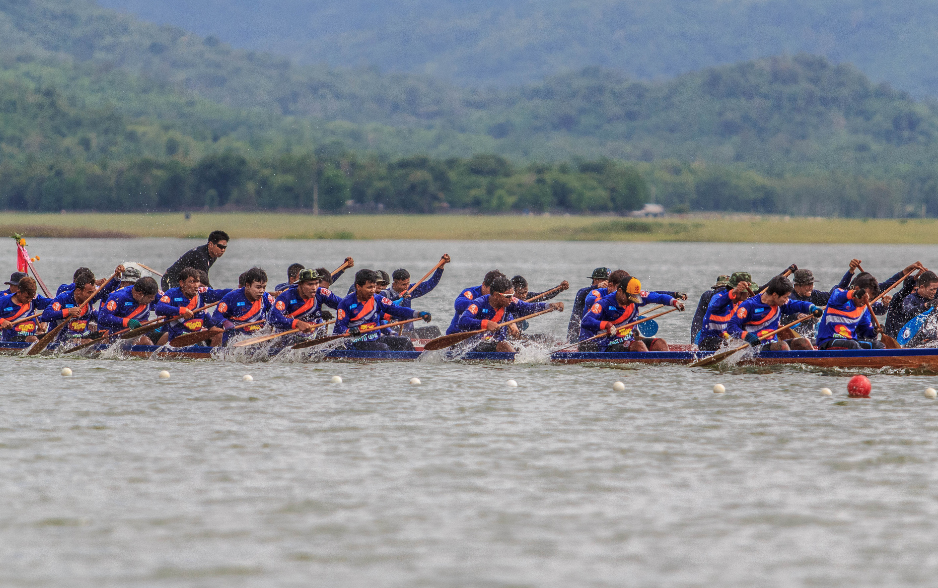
column 922, row 359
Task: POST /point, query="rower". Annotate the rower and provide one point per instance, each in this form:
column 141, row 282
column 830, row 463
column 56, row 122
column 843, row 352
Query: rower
column 15, row 278
column 401, row 283
column 499, row 305
column 112, row 286
column 600, row 276
column 248, row 304
column 22, row 303
column 620, row 308
column 803, row 280
column 180, row 302
column 128, row 307
column 914, row 302
column 202, row 257
column 66, row 305
column 300, row 305
column 292, row 273
column 615, row 278
column 846, row 323
column 722, row 307
column 760, row 315
column 696, row 324
column 520, row 285
column 463, row 301
column 361, row 312
column 896, row 318
column 383, row 281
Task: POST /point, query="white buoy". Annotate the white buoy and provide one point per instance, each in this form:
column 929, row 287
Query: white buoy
column 247, row 378
column 511, row 384
column 930, row 393
column 719, row 389
column 164, row 375
column 415, row 381
column 618, row 387
column 826, row 392
column 66, row 371
column 336, row 379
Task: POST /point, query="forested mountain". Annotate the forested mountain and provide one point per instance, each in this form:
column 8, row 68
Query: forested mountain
column 513, row 41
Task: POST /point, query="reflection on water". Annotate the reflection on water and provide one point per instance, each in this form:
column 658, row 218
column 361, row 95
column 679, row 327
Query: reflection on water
column 115, row 477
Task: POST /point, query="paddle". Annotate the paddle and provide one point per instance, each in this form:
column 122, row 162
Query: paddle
column 345, row 264
column 263, row 338
column 148, row 324
column 199, row 336
column 896, row 283
column 543, row 294
column 157, row 323
column 911, row 328
column 888, row 341
column 450, row 340
column 440, row 264
column 150, row 269
column 622, row 328
column 25, row 319
column 322, row 340
column 42, row 343
column 791, row 269
column 721, row 355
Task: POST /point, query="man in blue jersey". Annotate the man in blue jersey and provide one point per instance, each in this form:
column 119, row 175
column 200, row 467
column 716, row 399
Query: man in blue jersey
column 401, row 283
column 301, row 305
column 846, row 323
column 361, row 313
column 246, row 309
column 759, row 315
column 112, row 285
column 489, row 311
column 465, row 298
column 15, row 278
column 721, row 309
column 613, row 311
column 128, row 308
column 182, row 303
column 75, row 306
column 600, row 276
column 16, row 307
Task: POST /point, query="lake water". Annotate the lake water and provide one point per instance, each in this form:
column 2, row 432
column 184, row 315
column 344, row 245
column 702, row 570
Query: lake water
column 113, row 477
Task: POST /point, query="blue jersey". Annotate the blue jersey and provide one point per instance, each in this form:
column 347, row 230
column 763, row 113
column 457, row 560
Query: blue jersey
column 367, row 316
column 12, row 311
column 843, row 319
column 119, row 309
column 754, row 316
column 421, row 290
column 607, row 312
column 719, row 313
column 290, row 307
column 480, row 313
column 461, row 303
column 58, row 310
column 173, row 303
column 237, row 309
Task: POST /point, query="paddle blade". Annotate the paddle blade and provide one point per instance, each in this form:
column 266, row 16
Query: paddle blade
column 263, row 338
column 449, row 340
column 717, row 357
column 889, row 342
column 648, row 328
column 319, row 341
column 911, row 328
column 42, row 343
column 191, row 339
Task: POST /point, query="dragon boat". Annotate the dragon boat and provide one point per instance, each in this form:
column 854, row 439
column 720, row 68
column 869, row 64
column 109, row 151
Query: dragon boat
column 920, row 359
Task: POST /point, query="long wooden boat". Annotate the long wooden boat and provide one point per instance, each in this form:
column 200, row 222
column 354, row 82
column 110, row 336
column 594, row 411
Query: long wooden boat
column 922, row 359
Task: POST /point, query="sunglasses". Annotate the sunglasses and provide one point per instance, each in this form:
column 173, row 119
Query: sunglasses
column 222, row 247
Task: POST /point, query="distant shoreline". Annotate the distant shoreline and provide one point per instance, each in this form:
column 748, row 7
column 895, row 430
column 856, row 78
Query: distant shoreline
column 680, row 228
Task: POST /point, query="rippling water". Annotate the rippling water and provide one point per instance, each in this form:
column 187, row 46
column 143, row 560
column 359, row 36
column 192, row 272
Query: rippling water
column 113, row 477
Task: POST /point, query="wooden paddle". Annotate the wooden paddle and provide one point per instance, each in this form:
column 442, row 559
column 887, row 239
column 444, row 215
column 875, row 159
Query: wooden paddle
column 622, row 328
column 450, row 340
column 42, row 343
column 115, row 334
column 157, row 323
column 199, row 336
column 322, row 340
column 263, row 338
column 896, row 283
column 888, row 341
column 721, row 355
column 413, row 287
column 345, row 264
column 25, row 319
column 543, row 294
column 150, row 269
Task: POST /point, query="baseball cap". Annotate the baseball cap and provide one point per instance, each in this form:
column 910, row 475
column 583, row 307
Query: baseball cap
column 131, row 274
column 738, row 277
column 15, row 278
column 633, row 288
column 600, row 273
column 722, row 281
column 803, row 277
column 307, row 275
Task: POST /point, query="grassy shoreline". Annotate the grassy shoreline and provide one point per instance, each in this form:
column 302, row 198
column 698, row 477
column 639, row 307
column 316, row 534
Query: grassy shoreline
column 684, row 228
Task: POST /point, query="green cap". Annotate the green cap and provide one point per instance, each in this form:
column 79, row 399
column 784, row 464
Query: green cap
column 307, row 275
column 738, row 277
column 722, row 282
column 600, row 273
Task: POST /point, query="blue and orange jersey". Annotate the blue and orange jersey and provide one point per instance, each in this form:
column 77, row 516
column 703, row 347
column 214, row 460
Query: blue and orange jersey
column 421, row 290
column 367, row 316
column 754, row 316
column 480, row 312
column 720, row 311
column 119, row 309
column 58, row 310
column 290, row 307
column 173, row 303
column 236, row 308
column 606, row 311
column 843, row 319
column 461, row 303
column 12, row 311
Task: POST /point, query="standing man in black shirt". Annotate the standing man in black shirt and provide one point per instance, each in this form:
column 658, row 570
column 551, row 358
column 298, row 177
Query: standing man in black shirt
column 200, row 258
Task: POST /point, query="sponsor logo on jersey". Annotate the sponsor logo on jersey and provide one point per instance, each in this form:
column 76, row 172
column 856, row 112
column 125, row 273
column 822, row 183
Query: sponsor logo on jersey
column 473, row 308
column 222, row 308
column 741, row 313
column 467, row 295
column 281, row 306
column 112, row 305
column 165, row 300
column 597, row 308
column 56, row 306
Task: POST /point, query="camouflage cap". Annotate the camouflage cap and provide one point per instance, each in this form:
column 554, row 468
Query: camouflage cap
column 600, row 273
column 738, row 277
column 722, row 282
column 803, row 277
column 307, row 275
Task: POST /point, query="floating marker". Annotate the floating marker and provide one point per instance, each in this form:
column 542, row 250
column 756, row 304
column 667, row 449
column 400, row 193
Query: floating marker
column 859, row 387
column 336, row 379
column 511, row 384
column 66, row 371
column 826, row 392
column 164, row 375
column 930, row 393
column 247, row 378
column 618, row 387
column 719, row 389
column 415, row 381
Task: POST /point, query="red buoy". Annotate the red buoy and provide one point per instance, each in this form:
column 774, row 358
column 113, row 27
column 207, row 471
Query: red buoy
column 859, row 387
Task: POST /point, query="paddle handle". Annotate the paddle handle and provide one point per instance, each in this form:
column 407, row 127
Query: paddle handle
column 25, row 319
column 784, row 274
column 869, row 305
column 150, row 269
column 789, row 325
column 345, row 264
column 410, row 290
column 81, row 307
column 625, row 326
column 263, row 338
column 886, row 291
column 543, row 294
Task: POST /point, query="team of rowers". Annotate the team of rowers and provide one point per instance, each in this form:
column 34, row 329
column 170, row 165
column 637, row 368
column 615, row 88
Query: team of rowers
column 604, row 317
